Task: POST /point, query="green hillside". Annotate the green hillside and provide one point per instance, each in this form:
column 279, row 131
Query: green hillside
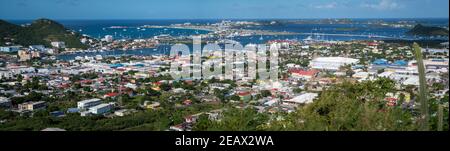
column 421, row 30
column 40, row 32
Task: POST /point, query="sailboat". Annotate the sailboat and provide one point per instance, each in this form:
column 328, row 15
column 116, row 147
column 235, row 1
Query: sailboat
column 261, row 38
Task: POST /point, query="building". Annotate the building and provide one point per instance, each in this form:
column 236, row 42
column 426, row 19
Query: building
column 24, row 55
column 361, row 75
column 40, row 48
column 53, row 129
column 153, row 105
column 436, row 63
column 31, row 106
column 108, row 38
column 101, row 109
column 5, row 102
column 303, row 74
column 10, row 49
column 6, row 74
column 58, row 44
column 123, row 112
column 244, row 95
column 305, row 98
column 85, row 104
column 332, row 63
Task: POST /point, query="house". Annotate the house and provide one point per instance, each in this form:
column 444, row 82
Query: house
column 10, row 49
column 5, row 102
column 53, row 129
column 123, row 112
column 187, row 102
column 361, row 75
column 178, row 127
column 303, row 74
column 57, row 114
column 73, row 110
column 110, row 95
column 391, row 101
column 58, row 44
column 153, row 105
column 32, row 106
column 245, row 95
column 40, row 48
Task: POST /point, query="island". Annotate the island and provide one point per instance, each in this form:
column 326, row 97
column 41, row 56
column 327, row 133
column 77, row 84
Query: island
column 421, row 30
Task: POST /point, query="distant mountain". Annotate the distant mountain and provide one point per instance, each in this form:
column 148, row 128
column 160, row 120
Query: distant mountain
column 421, row 30
column 39, row 32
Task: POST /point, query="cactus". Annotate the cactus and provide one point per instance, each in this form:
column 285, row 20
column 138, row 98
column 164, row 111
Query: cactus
column 422, row 90
column 440, row 118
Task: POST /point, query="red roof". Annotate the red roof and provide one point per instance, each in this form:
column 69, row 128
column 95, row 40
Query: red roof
column 86, row 81
column 244, row 93
column 120, row 69
column 390, row 99
column 303, row 72
column 372, row 44
column 112, row 94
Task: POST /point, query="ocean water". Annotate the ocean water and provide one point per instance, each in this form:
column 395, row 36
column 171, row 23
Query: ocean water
column 359, row 31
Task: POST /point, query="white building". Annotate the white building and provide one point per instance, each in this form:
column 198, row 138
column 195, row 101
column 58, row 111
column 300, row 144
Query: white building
column 108, row 38
column 305, row 98
column 123, row 112
column 413, row 80
column 58, row 44
column 6, row 74
column 101, row 109
column 10, row 49
column 5, row 102
column 85, row 104
column 332, row 63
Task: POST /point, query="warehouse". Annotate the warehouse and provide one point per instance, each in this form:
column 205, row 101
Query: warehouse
column 332, row 63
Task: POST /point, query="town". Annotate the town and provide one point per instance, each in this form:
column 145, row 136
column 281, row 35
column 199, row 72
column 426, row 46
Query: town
column 38, row 91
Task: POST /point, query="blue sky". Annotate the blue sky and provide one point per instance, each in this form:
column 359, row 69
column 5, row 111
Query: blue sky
column 221, row 9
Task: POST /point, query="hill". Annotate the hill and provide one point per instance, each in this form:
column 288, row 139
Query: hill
column 39, row 32
column 421, row 30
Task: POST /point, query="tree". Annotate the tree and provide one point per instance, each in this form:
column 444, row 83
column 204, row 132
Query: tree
column 165, row 87
column 348, row 107
column 202, row 123
column 266, row 93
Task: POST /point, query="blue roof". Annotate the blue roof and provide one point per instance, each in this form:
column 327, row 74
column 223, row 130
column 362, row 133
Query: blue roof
column 400, row 63
column 116, row 65
column 72, row 110
column 380, row 62
column 139, row 65
column 57, row 113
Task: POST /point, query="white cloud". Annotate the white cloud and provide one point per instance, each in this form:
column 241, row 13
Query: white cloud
column 383, row 5
column 327, row 6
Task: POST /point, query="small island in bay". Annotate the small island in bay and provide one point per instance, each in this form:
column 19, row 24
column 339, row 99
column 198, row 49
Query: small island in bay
column 421, row 30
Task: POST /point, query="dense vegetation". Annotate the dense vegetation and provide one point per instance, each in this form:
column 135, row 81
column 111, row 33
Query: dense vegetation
column 421, row 30
column 344, row 107
column 40, row 32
